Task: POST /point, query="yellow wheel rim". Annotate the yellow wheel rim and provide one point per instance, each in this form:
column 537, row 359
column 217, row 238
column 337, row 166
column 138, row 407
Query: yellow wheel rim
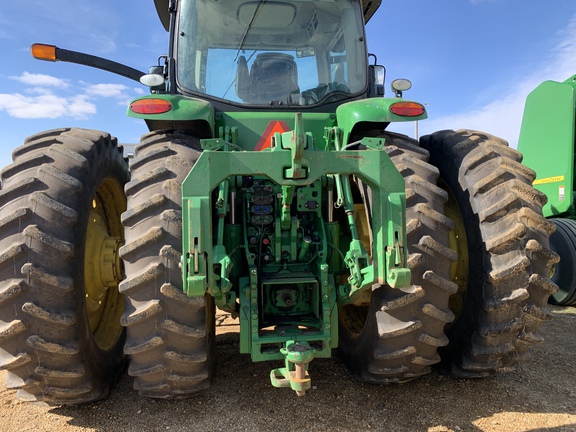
column 102, row 265
column 457, row 241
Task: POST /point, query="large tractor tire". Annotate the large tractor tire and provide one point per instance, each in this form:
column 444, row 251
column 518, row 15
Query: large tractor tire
column 504, row 262
column 60, row 335
column 170, row 337
column 396, row 338
column 563, row 242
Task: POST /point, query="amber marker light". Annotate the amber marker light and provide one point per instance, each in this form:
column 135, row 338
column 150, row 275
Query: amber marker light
column 150, row 106
column 43, row 52
column 407, row 109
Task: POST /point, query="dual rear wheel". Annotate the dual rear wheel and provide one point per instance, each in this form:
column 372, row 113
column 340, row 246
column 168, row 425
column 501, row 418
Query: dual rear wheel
column 70, row 308
column 480, row 261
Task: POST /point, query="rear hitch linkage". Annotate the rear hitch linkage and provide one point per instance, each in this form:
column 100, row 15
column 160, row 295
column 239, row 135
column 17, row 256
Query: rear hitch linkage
column 297, row 356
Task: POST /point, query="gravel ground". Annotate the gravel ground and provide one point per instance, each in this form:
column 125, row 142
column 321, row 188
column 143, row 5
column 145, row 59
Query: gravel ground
column 539, row 396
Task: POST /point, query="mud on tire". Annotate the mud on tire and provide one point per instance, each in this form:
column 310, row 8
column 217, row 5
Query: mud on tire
column 396, row 337
column 60, row 335
column 504, row 260
column 170, row 337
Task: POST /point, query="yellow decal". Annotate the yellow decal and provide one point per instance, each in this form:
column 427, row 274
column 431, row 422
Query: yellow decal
column 548, row 180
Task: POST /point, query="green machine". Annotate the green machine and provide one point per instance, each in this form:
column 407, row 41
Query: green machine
column 270, row 187
column 547, row 142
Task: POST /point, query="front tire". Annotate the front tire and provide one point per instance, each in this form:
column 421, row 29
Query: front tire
column 504, row 262
column 60, row 335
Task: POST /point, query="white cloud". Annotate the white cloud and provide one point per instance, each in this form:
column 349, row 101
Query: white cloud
column 503, row 115
column 37, row 91
column 81, row 107
column 41, row 80
column 46, row 106
column 107, row 90
column 41, row 100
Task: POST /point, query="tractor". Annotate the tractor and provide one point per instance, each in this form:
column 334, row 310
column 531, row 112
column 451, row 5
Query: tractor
column 549, row 119
column 270, row 187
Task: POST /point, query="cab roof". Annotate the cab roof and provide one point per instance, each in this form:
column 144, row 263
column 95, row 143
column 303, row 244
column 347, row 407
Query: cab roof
column 369, row 6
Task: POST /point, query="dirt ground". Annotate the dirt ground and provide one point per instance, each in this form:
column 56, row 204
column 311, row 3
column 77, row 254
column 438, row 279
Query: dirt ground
column 539, row 396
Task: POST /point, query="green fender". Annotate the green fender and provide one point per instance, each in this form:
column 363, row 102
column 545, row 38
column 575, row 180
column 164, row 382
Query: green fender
column 184, row 109
column 547, row 142
column 373, row 110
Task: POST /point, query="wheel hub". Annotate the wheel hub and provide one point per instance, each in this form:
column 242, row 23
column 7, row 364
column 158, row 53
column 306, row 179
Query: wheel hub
column 103, row 269
column 110, row 263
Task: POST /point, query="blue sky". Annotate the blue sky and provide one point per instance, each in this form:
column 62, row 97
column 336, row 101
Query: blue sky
column 472, row 61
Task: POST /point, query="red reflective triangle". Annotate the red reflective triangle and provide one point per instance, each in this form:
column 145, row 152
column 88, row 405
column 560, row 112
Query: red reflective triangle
column 273, row 127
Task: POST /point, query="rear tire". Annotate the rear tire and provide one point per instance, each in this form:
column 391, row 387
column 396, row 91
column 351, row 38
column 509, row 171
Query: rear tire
column 396, row 338
column 504, row 262
column 61, row 200
column 170, row 337
column 563, row 242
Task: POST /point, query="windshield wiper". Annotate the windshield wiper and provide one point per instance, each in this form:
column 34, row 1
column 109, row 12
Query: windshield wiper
column 262, row 2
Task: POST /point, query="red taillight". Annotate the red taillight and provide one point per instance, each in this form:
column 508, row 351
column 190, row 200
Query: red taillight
column 407, row 109
column 150, row 106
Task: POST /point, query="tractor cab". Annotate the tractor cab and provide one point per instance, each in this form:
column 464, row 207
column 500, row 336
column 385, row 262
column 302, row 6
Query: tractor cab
column 270, row 53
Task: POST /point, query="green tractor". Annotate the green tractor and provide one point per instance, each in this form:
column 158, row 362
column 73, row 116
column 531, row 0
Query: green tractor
column 268, row 187
column 547, row 141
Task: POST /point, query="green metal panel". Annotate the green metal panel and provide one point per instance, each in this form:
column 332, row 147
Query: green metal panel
column 547, row 142
column 256, row 128
column 213, row 167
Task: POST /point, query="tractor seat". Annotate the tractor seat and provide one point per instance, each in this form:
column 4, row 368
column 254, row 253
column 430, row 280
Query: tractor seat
column 273, row 78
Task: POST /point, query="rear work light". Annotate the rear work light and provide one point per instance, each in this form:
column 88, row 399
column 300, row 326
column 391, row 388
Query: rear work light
column 150, row 106
column 407, row 109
